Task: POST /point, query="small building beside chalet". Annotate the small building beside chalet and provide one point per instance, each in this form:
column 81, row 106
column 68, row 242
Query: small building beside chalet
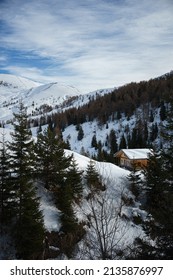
column 128, row 158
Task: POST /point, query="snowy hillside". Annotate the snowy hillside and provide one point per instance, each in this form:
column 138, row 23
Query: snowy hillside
column 33, row 95
column 17, row 83
column 106, row 170
column 101, row 132
column 126, row 232
column 115, row 179
column 116, row 182
column 39, row 98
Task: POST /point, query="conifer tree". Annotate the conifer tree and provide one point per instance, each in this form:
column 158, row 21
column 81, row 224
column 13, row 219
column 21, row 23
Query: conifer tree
column 6, row 192
column 163, row 114
column 155, row 183
column 123, row 144
column 51, row 160
column 52, row 171
column 94, row 142
column 69, row 192
column 92, row 177
column 80, row 133
column 74, row 180
column 159, row 205
column 28, row 229
column 135, row 181
column 68, row 220
column 166, row 238
column 113, row 142
column 67, row 145
column 154, row 132
column 167, row 153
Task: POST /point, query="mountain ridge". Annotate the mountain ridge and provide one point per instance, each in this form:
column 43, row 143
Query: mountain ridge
column 34, row 95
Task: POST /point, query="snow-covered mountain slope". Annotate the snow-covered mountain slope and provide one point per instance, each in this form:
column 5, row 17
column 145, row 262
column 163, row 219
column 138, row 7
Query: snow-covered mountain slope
column 11, row 86
column 101, row 132
column 115, row 179
column 39, row 98
column 17, row 83
column 33, row 94
column 50, row 94
column 116, row 182
column 105, row 169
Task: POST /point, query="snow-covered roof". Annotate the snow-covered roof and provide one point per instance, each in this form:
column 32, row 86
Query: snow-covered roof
column 135, row 153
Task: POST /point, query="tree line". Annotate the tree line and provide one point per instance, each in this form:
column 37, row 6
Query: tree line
column 124, row 100
column 143, row 100
column 146, row 100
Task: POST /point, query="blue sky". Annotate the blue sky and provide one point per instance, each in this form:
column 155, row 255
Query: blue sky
column 90, row 44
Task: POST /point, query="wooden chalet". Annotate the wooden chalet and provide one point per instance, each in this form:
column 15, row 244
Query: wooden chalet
column 128, row 158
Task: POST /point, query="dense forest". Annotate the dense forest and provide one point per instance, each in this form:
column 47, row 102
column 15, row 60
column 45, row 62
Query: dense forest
column 125, row 100
column 146, row 102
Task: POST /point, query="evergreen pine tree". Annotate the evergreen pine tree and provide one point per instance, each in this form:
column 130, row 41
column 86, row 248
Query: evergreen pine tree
column 167, row 153
column 159, row 205
column 28, row 229
column 145, row 136
column 100, row 155
column 6, row 192
column 52, row 170
column 154, row 132
column 67, row 145
column 113, row 142
column 51, row 160
column 74, row 180
column 80, row 133
column 162, row 111
column 135, row 181
column 123, row 144
column 94, row 142
column 166, row 238
column 93, row 177
column 68, row 220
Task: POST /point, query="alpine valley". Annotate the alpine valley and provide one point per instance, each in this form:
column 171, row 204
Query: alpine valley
column 91, row 208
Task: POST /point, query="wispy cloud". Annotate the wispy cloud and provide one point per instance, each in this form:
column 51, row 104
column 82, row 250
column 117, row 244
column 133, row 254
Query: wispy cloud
column 91, row 44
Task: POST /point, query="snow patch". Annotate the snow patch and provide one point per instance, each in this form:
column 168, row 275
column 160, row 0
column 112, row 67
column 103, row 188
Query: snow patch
column 50, row 212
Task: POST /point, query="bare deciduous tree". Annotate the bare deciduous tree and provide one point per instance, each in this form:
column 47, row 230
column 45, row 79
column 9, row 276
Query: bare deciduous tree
column 107, row 228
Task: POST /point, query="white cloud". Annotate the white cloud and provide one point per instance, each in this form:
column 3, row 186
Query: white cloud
column 92, row 44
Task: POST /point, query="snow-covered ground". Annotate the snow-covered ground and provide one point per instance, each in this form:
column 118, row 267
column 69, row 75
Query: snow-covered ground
column 34, row 95
column 50, row 211
column 92, row 128
column 109, row 173
column 114, row 217
column 114, row 177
